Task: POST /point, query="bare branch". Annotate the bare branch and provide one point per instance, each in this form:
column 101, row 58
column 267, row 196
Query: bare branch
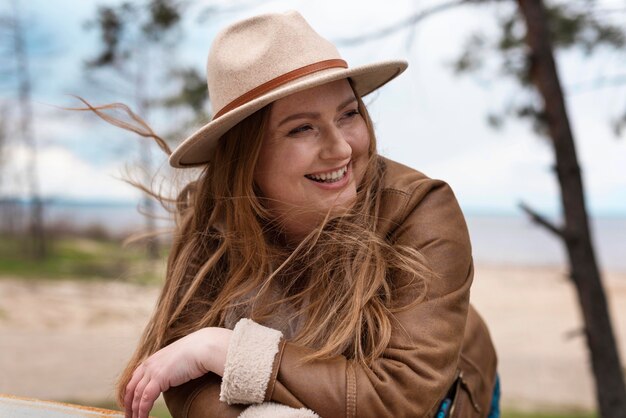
column 541, row 220
column 210, row 11
column 402, row 24
column 574, row 333
column 604, row 81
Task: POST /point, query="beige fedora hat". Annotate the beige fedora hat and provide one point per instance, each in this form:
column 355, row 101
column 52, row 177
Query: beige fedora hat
column 264, row 58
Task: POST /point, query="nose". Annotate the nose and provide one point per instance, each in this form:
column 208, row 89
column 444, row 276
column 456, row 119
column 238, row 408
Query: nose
column 335, row 146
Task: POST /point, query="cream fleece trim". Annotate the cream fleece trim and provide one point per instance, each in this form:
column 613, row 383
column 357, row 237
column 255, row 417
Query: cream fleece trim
column 276, row 410
column 249, row 362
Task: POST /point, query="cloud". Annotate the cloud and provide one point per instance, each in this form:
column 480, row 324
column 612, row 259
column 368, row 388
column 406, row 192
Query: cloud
column 62, row 174
column 428, row 118
column 499, row 175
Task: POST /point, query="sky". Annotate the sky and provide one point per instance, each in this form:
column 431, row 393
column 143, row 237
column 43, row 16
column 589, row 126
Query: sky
column 428, row 118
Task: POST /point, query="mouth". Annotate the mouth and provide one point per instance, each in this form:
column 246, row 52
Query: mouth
column 329, row 177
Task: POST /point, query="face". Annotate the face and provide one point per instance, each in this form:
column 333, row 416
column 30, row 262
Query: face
column 313, row 156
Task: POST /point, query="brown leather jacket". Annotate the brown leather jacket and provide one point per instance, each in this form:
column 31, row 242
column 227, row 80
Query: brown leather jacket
column 451, row 347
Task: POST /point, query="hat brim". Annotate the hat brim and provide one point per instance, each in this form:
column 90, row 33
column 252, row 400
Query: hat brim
column 197, row 149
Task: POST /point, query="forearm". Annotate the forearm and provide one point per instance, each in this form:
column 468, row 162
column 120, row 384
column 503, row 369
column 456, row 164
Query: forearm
column 247, row 369
column 219, row 340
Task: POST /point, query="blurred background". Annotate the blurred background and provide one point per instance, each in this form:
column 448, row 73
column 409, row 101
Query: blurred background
column 75, row 294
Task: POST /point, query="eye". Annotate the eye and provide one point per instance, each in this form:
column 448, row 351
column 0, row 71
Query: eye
column 350, row 114
column 299, row 130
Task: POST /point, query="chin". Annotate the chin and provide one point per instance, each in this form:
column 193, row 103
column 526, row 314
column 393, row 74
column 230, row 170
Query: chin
column 339, row 208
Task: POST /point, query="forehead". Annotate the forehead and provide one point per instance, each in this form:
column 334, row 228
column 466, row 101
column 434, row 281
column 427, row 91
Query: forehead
column 317, row 98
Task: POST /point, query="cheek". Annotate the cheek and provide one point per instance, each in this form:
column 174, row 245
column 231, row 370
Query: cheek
column 360, row 143
column 265, row 174
column 359, row 138
column 277, row 169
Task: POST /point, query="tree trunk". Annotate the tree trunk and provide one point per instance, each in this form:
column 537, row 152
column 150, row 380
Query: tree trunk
column 147, row 201
column 26, row 132
column 610, row 390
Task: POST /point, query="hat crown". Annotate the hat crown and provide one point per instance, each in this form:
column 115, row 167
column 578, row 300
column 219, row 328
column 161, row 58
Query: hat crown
column 255, row 51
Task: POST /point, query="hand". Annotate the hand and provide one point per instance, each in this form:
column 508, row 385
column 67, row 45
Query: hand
column 188, row 358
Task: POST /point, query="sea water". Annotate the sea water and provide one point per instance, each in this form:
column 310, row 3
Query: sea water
column 504, row 239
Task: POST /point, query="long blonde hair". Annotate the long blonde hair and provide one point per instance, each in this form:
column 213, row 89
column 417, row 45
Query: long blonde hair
column 228, row 261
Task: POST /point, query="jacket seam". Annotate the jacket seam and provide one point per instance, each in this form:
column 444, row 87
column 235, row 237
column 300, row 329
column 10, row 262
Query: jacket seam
column 474, row 365
column 190, row 400
column 404, row 212
column 396, row 191
column 410, row 191
column 350, row 391
column 469, row 389
column 274, row 376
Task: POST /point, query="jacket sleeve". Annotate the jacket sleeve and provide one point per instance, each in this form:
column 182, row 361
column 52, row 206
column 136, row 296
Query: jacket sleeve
column 199, row 398
column 413, row 374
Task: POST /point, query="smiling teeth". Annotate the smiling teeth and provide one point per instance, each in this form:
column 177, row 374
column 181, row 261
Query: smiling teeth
column 330, row 177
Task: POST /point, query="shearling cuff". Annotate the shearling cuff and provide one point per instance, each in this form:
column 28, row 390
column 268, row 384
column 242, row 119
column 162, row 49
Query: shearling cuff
column 276, row 410
column 249, row 362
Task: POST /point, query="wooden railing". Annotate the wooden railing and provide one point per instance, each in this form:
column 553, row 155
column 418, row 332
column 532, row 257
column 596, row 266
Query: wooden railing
column 18, row 407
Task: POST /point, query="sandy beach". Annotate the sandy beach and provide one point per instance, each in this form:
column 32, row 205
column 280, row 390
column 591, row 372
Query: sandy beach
column 68, row 340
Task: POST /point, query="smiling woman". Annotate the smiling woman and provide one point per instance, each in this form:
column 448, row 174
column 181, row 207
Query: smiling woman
column 313, row 155
column 309, row 276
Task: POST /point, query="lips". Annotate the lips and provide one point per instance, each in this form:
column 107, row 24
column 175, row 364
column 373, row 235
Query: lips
column 329, row 176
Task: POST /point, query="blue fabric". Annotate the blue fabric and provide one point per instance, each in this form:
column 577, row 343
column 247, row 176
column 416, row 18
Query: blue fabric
column 495, row 400
column 443, row 408
column 494, row 411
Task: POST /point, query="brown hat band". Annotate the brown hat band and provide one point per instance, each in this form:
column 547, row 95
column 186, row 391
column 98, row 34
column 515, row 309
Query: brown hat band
column 280, row 80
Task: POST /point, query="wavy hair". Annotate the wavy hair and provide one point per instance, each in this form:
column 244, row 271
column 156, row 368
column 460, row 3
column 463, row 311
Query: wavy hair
column 228, row 261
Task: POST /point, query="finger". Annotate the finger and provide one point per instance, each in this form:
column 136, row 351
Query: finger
column 138, row 393
column 149, row 396
column 130, row 390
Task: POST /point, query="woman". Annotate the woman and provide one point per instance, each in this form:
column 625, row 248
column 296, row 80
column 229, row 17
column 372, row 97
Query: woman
column 308, row 276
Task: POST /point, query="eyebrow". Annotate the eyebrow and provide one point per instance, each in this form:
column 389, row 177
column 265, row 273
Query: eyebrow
column 315, row 115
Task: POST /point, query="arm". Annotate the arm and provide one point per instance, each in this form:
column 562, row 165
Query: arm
column 409, row 379
column 187, row 358
column 201, row 397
